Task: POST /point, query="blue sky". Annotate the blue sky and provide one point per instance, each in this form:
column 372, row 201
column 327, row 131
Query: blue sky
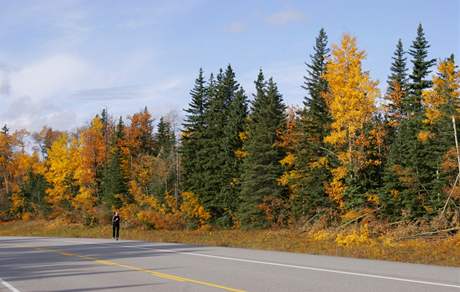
column 61, row 62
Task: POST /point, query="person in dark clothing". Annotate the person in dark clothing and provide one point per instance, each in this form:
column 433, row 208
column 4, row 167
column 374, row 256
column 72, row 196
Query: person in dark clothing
column 116, row 226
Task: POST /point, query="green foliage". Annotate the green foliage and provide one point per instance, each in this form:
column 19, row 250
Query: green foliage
column 262, row 153
column 192, row 137
column 420, row 70
column 165, row 139
column 312, row 155
column 411, row 176
column 224, row 119
column 337, row 157
column 114, row 181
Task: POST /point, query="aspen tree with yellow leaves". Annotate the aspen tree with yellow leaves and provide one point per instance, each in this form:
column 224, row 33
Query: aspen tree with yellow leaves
column 351, row 100
column 61, row 167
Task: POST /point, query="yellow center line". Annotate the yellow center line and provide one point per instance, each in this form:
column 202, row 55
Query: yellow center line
column 134, row 268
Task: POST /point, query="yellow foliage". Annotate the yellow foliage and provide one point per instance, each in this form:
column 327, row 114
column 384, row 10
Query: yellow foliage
column 17, row 202
column 395, row 103
column 84, row 200
column 336, row 188
column 62, row 165
column 143, row 200
column 243, row 136
column 192, row 209
column 373, row 198
column 358, row 237
column 351, row 96
column 319, row 163
column 240, row 153
column 394, row 194
column 351, row 102
column 185, row 134
column 321, row 235
column 446, row 89
column 150, row 218
column 288, row 160
column 26, row 216
column 350, row 215
column 170, row 203
column 287, row 177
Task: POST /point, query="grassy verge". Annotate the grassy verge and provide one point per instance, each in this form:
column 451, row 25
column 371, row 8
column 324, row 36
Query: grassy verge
column 354, row 242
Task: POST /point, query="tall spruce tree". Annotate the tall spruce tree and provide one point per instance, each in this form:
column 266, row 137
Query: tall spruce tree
column 398, row 85
column 396, row 121
column 236, row 118
column 316, row 85
column 409, row 172
column 261, row 166
column 420, row 71
column 192, row 137
column 397, row 95
column 212, row 148
column 310, row 130
column 115, row 184
column 223, row 124
column 165, row 139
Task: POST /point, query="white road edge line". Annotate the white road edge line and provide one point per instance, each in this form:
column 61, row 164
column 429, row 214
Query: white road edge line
column 9, row 286
column 375, row 276
column 300, row 267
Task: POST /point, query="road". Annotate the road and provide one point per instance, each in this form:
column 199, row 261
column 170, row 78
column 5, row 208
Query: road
column 82, row 264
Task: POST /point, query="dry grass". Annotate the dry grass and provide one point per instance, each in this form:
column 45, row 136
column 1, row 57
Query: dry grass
column 355, row 241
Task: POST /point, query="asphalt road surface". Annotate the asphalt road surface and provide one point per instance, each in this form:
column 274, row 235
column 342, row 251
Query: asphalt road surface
column 81, row 264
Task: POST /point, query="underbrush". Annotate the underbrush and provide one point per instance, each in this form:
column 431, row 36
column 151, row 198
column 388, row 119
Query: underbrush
column 385, row 242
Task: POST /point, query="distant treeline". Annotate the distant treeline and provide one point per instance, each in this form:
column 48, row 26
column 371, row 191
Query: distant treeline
column 350, row 150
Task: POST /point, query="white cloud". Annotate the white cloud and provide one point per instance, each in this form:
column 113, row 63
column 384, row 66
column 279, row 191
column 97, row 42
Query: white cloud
column 64, row 91
column 23, row 112
column 50, row 76
column 286, row 17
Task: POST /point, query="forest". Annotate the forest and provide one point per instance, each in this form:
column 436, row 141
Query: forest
column 350, row 153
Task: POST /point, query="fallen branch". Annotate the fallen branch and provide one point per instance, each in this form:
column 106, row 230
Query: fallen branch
column 428, row 233
column 304, row 227
column 450, row 194
column 396, row 222
column 357, row 218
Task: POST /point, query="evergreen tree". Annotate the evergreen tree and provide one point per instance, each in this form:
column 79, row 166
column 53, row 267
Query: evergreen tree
column 213, row 148
column 192, row 137
column 420, row 70
column 33, row 190
column 236, row 116
column 316, row 86
column 398, row 69
column 114, row 180
column 311, row 129
column 223, row 119
column 261, row 167
column 398, row 86
column 409, row 172
column 165, row 139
